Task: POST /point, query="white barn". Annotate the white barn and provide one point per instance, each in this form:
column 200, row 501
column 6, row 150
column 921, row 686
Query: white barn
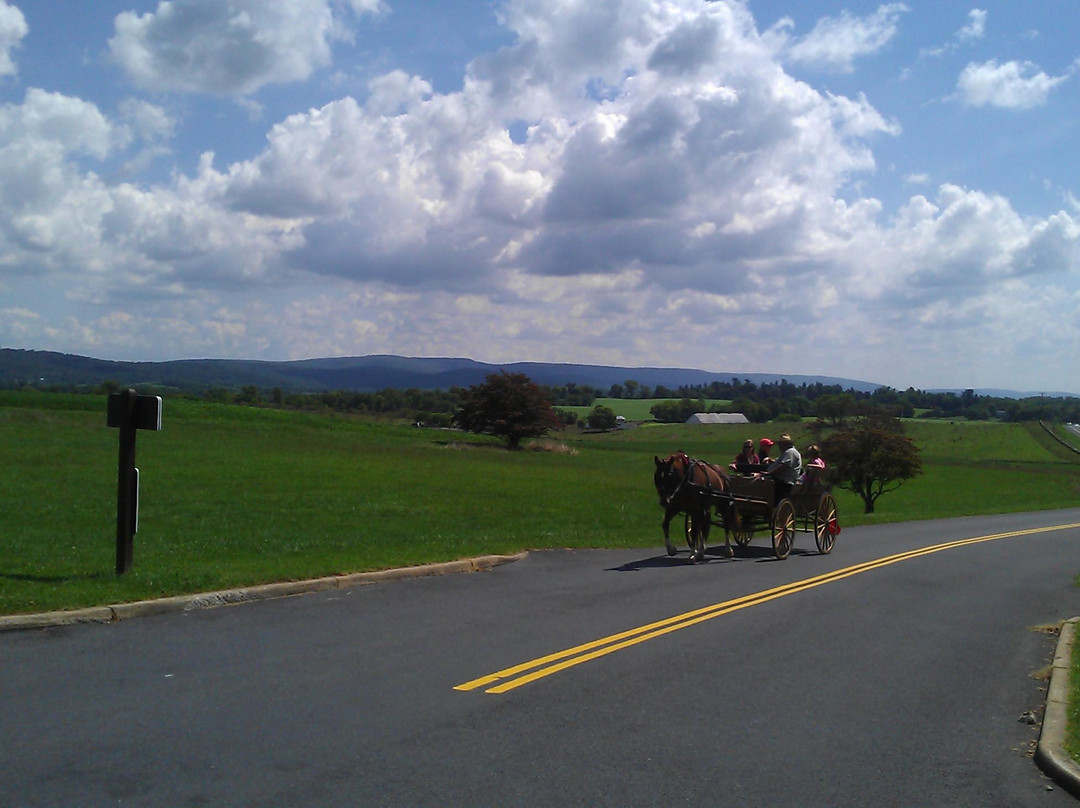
column 717, row 418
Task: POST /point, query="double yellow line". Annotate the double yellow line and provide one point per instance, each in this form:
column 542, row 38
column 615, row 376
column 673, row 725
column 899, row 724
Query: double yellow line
column 510, row 678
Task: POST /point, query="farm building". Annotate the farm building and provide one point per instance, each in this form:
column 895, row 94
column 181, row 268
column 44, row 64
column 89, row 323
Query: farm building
column 717, row 418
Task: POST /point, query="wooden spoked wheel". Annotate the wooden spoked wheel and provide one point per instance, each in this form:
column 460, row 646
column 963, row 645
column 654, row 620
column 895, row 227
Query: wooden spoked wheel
column 697, row 534
column 742, row 528
column 825, row 524
column 783, row 529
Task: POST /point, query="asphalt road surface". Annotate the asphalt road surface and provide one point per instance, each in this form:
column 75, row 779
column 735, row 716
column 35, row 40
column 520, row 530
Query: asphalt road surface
column 893, row 672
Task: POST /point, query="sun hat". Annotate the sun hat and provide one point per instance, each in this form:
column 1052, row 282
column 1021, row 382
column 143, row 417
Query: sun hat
column 785, row 438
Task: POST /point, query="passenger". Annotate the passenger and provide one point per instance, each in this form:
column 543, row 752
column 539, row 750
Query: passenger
column 746, row 457
column 815, row 466
column 785, row 470
column 763, row 451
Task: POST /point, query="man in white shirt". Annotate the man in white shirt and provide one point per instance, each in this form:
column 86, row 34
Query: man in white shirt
column 785, row 470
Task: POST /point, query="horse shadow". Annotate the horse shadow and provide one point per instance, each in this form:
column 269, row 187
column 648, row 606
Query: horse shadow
column 652, row 562
column 756, row 553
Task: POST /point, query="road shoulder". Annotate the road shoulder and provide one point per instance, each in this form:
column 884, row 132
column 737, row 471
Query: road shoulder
column 206, row 600
column 1050, row 754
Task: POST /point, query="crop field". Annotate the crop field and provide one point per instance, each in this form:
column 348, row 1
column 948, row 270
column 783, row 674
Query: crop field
column 234, row 496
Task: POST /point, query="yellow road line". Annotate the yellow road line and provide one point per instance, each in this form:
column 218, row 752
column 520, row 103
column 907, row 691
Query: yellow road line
column 518, row 675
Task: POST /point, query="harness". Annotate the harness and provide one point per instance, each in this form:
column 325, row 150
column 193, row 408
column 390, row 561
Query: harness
column 691, row 464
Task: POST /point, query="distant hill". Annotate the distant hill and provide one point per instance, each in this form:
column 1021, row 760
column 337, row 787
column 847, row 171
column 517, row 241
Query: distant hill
column 356, row 373
column 367, row 374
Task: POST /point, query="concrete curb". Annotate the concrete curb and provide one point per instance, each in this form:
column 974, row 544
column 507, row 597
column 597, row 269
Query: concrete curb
column 1050, row 753
column 209, row 600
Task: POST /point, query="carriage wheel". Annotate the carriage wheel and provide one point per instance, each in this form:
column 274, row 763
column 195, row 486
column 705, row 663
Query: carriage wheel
column 783, row 529
column 688, row 530
column 742, row 528
column 824, row 520
column 697, row 533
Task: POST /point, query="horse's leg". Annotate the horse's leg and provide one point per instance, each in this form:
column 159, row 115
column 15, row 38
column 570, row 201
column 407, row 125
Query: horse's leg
column 668, row 515
column 727, row 520
column 700, row 533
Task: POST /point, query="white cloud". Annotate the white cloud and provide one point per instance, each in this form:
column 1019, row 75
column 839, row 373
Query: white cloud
column 55, row 121
column 148, row 121
column 836, row 42
column 1010, row 85
column 228, row 47
column 976, row 26
column 13, row 28
column 670, row 188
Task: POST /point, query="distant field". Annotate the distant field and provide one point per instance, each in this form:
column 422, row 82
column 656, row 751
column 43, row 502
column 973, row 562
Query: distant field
column 234, row 495
column 636, row 409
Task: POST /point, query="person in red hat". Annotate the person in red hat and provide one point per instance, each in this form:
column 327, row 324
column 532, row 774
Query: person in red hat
column 763, row 451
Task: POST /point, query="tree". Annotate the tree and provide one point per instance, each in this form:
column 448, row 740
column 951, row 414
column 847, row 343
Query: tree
column 835, row 408
column 509, row 406
column 602, row 417
column 871, row 457
column 674, row 412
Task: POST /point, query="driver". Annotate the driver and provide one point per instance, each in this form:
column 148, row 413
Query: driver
column 785, row 470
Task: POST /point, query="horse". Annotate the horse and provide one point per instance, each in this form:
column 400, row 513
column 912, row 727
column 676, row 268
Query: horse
column 685, row 485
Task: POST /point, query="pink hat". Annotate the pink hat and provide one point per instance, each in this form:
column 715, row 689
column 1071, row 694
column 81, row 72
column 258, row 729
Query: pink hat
column 766, row 442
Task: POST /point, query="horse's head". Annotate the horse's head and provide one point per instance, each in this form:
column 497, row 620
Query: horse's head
column 669, row 476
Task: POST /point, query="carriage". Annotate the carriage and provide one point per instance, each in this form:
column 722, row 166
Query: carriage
column 741, row 506
column 808, row 507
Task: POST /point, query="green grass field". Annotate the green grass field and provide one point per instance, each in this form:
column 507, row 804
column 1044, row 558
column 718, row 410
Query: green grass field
column 233, row 496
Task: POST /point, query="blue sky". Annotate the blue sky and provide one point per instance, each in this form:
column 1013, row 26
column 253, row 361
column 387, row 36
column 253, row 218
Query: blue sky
column 881, row 191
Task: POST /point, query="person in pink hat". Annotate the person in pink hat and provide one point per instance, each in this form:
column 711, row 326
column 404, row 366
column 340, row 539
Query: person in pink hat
column 814, row 470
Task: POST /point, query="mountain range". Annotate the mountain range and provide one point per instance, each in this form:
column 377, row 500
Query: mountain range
column 355, row 373
column 371, row 373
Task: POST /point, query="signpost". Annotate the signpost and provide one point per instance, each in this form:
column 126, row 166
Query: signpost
column 129, row 412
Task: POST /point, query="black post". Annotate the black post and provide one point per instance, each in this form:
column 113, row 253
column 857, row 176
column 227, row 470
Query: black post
column 129, row 412
column 125, row 485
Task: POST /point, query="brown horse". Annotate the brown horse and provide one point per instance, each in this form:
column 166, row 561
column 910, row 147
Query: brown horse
column 687, row 486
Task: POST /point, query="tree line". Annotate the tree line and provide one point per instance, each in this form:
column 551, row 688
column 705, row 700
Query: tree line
column 758, row 402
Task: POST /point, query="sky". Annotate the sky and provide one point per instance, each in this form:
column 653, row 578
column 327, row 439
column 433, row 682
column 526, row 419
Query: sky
column 887, row 192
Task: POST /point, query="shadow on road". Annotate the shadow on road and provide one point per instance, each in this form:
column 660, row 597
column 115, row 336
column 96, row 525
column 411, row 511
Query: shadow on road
column 712, row 555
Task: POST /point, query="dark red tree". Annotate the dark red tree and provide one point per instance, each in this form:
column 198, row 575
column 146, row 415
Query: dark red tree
column 508, row 405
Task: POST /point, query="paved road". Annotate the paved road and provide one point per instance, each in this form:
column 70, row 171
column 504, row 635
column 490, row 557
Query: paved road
column 894, row 684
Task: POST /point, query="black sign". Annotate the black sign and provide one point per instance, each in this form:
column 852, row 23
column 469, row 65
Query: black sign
column 140, row 412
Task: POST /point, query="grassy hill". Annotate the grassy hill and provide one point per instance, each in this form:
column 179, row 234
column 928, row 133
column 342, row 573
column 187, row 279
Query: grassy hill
column 234, row 495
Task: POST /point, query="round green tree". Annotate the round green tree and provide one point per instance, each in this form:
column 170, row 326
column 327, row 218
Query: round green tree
column 871, row 457
column 602, row 418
